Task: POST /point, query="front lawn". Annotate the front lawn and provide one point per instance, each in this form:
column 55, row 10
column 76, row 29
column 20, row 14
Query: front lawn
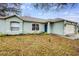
column 38, row 45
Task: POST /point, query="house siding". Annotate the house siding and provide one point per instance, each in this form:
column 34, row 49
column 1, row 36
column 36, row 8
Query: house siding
column 8, row 30
column 58, row 28
column 2, row 26
column 28, row 28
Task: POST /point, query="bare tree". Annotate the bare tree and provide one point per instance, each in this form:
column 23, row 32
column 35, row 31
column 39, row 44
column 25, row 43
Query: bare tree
column 47, row 6
column 3, row 8
column 10, row 8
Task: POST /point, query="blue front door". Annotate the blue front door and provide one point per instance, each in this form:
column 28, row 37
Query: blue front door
column 45, row 27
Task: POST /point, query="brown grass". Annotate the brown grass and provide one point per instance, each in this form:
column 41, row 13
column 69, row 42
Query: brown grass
column 38, row 45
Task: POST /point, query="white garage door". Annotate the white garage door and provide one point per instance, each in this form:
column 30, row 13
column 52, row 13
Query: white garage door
column 69, row 29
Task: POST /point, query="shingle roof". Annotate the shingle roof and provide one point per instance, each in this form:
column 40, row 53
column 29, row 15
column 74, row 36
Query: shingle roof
column 56, row 20
column 27, row 18
column 33, row 19
column 60, row 19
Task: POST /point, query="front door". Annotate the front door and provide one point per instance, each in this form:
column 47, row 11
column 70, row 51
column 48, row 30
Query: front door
column 45, row 27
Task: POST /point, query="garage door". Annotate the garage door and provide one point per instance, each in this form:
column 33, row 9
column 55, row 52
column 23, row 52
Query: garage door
column 69, row 29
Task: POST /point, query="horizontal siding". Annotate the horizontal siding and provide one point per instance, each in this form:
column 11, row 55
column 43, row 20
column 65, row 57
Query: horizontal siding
column 8, row 31
column 2, row 26
column 28, row 28
column 58, row 28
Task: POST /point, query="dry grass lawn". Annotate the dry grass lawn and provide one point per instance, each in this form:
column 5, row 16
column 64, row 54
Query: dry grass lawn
column 38, row 45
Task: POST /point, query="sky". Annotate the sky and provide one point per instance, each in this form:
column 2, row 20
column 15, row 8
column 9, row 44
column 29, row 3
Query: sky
column 66, row 13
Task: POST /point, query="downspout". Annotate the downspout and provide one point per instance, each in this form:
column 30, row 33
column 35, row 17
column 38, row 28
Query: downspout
column 76, row 29
column 64, row 27
column 23, row 27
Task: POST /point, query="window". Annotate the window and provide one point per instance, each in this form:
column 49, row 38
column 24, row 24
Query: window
column 14, row 26
column 35, row 26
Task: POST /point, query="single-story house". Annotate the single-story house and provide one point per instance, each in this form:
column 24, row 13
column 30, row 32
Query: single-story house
column 24, row 25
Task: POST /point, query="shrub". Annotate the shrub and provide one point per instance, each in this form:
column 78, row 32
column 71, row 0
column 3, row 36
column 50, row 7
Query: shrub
column 1, row 34
column 34, row 33
column 45, row 33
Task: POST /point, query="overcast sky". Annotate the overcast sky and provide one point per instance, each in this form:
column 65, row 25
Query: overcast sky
column 67, row 13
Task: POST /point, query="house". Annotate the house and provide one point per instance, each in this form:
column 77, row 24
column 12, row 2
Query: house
column 23, row 25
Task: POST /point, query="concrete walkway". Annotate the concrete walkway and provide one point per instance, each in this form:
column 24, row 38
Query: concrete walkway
column 73, row 36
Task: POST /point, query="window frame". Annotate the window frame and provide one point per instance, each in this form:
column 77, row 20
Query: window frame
column 35, row 27
column 14, row 26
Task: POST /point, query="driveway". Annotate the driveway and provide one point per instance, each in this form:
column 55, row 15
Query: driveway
column 73, row 36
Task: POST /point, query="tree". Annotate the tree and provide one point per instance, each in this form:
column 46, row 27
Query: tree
column 3, row 8
column 9, row 9
column 47, row 6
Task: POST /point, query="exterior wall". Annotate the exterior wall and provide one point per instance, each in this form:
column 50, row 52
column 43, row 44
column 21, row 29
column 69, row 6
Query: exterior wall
column 77, row 28
column 57, row 28
column 8, row 29
column 2, row 26
column 28, row 28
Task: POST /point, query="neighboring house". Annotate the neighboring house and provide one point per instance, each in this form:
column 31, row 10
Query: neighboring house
column 24, row 25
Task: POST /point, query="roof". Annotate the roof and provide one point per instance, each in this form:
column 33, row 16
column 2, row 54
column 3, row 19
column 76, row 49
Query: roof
column 60, row 19
column 55, row 20
column 33, row 19
column 8, row 17
column 27, row 18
